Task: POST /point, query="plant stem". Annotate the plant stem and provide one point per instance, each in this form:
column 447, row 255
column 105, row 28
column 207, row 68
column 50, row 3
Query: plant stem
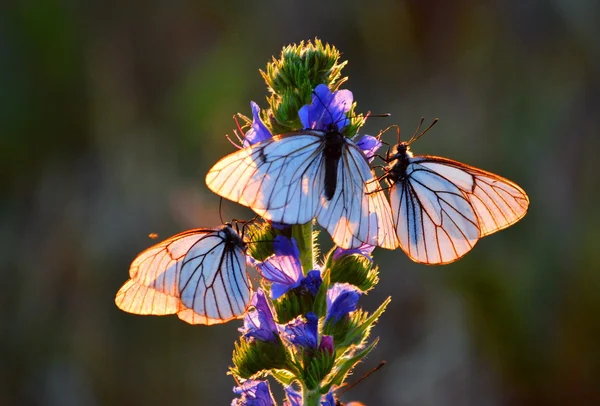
column 303, row 234
column 311, row 397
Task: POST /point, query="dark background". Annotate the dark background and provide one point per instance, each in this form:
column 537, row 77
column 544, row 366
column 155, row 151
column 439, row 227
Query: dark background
column 112, row 112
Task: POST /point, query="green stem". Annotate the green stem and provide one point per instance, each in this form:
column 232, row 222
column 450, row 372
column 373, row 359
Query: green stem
column 303, row 234
column 310, row 397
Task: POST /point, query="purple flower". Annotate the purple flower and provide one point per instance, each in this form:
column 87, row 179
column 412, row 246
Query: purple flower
column 258, row 132
column 303, row 333
column 293, row 397
column 327, row 344
column 284, row 270
column 369, row 146
column 329, row 399
column 342, row 299
column 364, row 250
column 253, row 393
column 258, row 322
column 326, row 109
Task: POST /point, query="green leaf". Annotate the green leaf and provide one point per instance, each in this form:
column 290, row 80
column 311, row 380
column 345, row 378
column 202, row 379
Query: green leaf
column 344, row 366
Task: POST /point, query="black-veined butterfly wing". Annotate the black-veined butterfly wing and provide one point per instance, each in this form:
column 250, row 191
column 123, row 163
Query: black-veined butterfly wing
column 447, row 205
column 497, row 201
column 435, row 222
column 358, row 211
column 277, row 178
column 200, row 275
column 283, row 180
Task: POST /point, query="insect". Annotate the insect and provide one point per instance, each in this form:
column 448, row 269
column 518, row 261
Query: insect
column 441, row 207
column 199, row 274
column 294, row 177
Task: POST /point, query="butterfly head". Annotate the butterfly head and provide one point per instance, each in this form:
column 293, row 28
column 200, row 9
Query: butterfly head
column 232, row 236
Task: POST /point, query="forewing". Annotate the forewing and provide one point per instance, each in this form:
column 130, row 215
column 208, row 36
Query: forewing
column 498, row 202
column 435, row 222
column 280, row 179
column 358, row 212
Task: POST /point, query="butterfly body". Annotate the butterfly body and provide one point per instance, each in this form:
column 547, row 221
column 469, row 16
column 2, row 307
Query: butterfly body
column 333, row 144
column 441, row 207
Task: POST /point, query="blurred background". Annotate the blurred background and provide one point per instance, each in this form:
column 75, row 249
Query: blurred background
column 112, row 112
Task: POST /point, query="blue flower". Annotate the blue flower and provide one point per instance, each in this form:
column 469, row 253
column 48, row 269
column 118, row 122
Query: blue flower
column 369, row 146
column 293, row 397
column 329, row 399
column 326, row 109
column 364, row 250
column 312, row 282
column 258, row 132
column 303, row 333
column 284, row 269
column 258, row 322
column 253, row 393
column 342, row 299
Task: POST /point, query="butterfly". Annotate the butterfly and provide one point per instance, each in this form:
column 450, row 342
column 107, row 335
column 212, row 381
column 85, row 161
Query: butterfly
column 442, row 207
column 314, row 173
column 199, row 274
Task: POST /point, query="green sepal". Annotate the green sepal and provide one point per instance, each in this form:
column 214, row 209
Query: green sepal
column 354, row 329
column 293, row 304
column 317, row 365
column 344, row 365
column 320, row 306
column 254, row 357
column 283, row 376
column 355, row 269
column 260, row 237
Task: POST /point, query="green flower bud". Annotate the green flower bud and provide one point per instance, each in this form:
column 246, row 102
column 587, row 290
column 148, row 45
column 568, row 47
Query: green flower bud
column 253, row 357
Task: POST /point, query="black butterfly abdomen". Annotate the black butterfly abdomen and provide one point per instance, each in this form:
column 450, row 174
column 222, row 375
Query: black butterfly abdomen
column 334, row 142
column 396, row 171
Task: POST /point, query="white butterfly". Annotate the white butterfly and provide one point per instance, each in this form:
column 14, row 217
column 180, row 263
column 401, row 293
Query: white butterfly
column 442, row 207
column 199, row 274
column 312, row 174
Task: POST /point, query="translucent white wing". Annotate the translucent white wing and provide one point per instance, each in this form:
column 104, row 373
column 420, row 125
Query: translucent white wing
column 359, row 211
column 497, row 201
column 199, row 275
column 283, row 180
column 435, row 222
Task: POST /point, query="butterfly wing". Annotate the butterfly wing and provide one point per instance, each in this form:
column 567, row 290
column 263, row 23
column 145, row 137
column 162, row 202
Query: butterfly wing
column 435, row 221
column 497, row 201
column 160, row 275
column 281, row 179
column 358, row 211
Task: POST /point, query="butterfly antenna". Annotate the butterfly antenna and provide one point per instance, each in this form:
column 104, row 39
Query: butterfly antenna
column 347, row 387
column 221, row 210
column 418, row 135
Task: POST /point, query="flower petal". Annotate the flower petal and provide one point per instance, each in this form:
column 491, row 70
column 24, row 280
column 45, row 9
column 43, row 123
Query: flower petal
column 259, row 322
column 303, row 333
column 342, row 299
column 369, row 146
column 253, row 393
column 258, row 132
column 364, row 250
column 283, row 269
column 326, row 108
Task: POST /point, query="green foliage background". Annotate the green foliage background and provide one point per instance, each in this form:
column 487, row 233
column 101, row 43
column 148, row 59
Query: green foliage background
column 112, row 112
